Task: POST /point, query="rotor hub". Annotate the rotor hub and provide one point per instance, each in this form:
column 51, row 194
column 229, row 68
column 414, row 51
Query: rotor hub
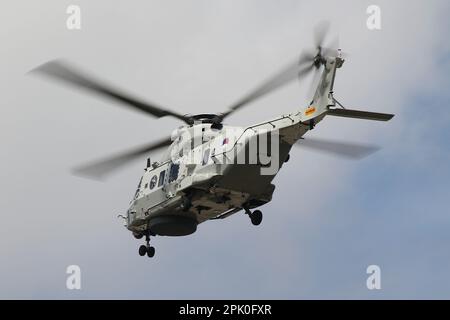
column 206, row 118
column 319, row 59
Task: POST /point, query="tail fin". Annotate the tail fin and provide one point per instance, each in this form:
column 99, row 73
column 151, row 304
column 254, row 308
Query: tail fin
column 323, row 102
column 323, row 97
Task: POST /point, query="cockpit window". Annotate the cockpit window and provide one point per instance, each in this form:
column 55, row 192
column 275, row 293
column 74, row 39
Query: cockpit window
column 153, row 182
column 162, row 175
column 138, row 188
column 173, row 175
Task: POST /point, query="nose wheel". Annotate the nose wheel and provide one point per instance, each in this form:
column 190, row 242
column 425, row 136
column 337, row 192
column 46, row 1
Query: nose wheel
column 147, row 249
column 255, row 216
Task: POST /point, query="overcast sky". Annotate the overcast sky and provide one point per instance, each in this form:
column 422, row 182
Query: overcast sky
column 329, row 218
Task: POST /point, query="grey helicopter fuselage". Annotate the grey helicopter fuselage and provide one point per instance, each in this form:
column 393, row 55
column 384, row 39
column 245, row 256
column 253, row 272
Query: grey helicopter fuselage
column 201, row 178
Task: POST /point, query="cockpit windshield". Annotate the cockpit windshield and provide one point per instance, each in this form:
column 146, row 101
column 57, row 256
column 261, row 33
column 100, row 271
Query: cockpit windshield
column 138, row 188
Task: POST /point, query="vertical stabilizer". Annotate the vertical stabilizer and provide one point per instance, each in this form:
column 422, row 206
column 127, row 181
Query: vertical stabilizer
column 323, row 97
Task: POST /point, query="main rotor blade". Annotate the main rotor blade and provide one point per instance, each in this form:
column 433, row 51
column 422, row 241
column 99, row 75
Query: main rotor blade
column 100, row 169
column 61, row 71
column 338, row 148
column 289, row 73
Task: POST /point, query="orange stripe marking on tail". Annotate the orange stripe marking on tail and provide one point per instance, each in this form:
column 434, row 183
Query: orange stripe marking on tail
column 309, row 111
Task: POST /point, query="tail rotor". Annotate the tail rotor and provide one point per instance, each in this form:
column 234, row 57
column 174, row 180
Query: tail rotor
column 311, row 60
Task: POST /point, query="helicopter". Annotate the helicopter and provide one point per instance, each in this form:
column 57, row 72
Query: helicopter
column 211, row 170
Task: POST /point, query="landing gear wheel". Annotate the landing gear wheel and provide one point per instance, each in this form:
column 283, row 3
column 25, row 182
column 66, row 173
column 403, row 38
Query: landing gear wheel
column 142, row 250
column 150, row 252
column 147, row 249
column 256, row 217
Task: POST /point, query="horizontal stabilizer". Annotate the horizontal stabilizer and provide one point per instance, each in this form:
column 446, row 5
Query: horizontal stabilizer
column 348, row 113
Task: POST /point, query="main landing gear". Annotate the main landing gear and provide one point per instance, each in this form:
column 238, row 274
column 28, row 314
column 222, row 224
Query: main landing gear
column 147, row 249
column 255, row 216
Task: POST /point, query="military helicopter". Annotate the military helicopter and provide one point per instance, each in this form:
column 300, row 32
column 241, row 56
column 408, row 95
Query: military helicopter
column 208, row 170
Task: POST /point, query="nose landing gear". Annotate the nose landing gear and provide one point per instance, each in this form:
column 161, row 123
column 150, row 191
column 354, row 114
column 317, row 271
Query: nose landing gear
column 147, row 249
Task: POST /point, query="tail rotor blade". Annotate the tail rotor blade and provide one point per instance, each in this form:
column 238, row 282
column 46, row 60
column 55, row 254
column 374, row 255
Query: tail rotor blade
column 320, row 33
column 314, row 82
column 307, row 57
column 304, row 72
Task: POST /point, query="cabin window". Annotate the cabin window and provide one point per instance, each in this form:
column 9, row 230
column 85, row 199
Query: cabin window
column 173, row 175
column 205, row 157
column 162, row 175
column 153, row 182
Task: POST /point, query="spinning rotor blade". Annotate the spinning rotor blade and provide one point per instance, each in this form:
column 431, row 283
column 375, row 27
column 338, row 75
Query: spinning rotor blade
column 320, row 52
column 314, row 81
column 297, row 69
column 99, row 169
column 61, row 71
column 304, row 72
column 286, row 75
column 320, row 33
column 338, row 148
column 332, row 48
